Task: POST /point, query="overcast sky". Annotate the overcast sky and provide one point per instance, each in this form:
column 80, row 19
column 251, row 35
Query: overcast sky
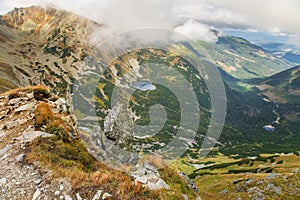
column 191, row 17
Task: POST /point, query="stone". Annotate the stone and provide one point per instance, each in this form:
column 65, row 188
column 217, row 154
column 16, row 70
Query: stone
column 30, row 95
column 37, row 195
column 185, row 197
column 3, row 181
column 26, row 107
column 56, row 193
column 106, row 195
column 14, row 101
column 61, row 187
column 272, row 175
column 247, row 182
column 160, row 184
column 31, row 135
column 61, row 105
column 97, row 195
column 223, row 191
column 78, row 196
column 37, row 181
column 13, row 124
column 5, row 149
column 19, row 158
column 277, row 190
column 67, row 197
column 149, row 177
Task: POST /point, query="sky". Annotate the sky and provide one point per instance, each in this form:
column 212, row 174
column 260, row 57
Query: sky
column 193, row 18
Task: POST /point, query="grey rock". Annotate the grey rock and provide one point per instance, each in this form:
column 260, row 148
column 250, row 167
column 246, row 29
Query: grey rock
column 185, row 197
column 270, row 186
column 61, row 105
column 78, row 196
column 247, row 182
column 272, row 175
column 14, row 101
column 19, row 158
column 61, row 187
column 57, row 192
column 26, row 107
column 3, row 181
column 30, row 95
column 5, row 149
column 38, row 181
column 67, row 197
column 31, row 135
column 149, row 177
column 97, row 195
column 37, row 195
column 277, row 190
column 12, row 124
column 223, row 191
column 160, row 184
column 106, row 195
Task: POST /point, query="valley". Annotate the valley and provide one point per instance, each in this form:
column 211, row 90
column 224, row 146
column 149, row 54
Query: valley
column 149, row 103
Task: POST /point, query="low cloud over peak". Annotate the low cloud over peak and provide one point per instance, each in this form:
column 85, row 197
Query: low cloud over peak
column 120, row 16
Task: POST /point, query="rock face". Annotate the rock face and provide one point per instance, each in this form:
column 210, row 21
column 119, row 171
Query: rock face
column 42, row 46
column 149, row 177
column 18, row 178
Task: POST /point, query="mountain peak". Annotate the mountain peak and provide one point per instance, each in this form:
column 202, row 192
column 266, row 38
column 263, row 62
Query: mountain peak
column 31, row 16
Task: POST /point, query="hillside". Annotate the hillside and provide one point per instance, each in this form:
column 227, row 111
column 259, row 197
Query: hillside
column 241, row 59
column 41, row 46
column 282, row 87
column 67, row 132
column 53, row 49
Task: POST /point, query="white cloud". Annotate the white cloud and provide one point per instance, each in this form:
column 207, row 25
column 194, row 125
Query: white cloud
column 209, row 13
column 123, row 15
column 196, row 31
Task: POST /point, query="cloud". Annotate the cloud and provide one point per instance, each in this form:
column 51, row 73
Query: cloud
column 209, row 13
column 118, row 16
column 268, row 15
column 196, row 31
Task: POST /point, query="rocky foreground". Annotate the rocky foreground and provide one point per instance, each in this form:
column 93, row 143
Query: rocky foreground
column 42, row 157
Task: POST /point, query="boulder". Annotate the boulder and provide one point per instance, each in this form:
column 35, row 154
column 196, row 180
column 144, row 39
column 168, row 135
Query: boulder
column 26, row 107
column 149, row 177
column 37, row 195
column 97, row 195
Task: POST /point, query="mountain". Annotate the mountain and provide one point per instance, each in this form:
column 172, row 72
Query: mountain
column 41, row 46
column 241, row 59
column 70, row 127
column 292, row 57
column 52, row 47
column 282, row 87
column 288, row 52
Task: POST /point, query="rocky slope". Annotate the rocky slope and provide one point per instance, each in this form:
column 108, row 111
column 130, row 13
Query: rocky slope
column 42, row 157
column 19, row 178
column 41, row 46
